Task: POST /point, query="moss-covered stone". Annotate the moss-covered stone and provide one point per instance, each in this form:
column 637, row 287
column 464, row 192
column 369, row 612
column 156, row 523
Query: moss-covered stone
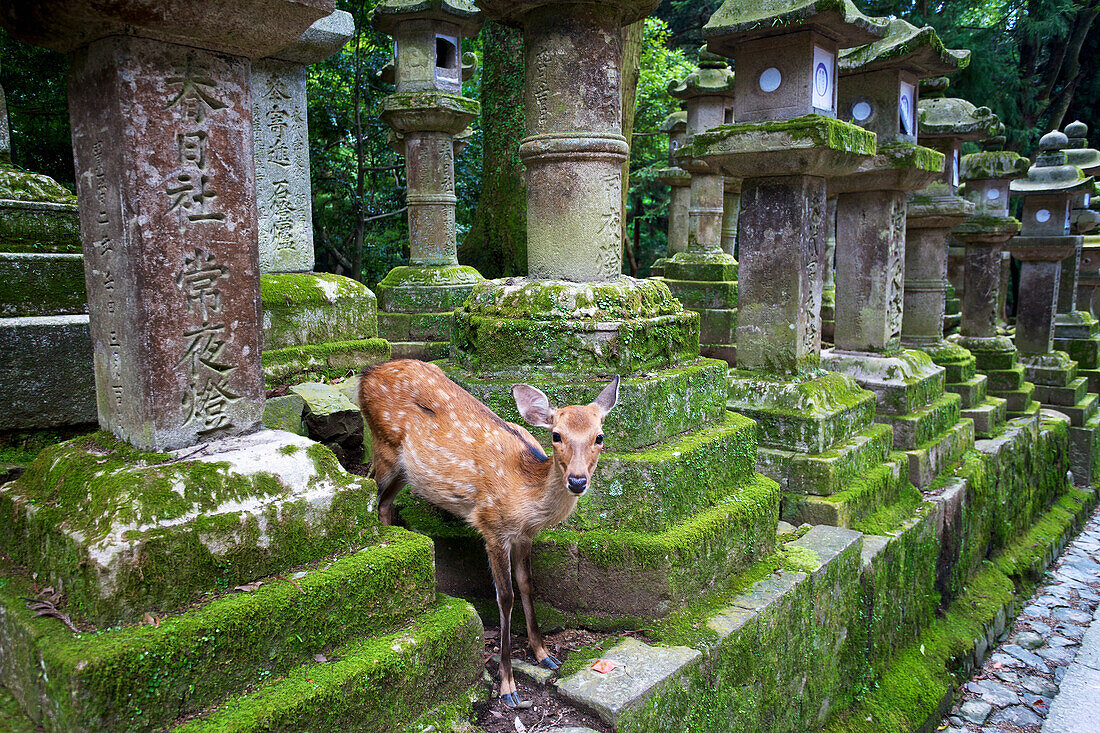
column 33, row 284
column 859, row 499
column 315, row 308
column 121, row 532
column 422, row 289
column 826, row 473
column 39, row 227
column 142, row 677
column 20, row 185
column 311, row 362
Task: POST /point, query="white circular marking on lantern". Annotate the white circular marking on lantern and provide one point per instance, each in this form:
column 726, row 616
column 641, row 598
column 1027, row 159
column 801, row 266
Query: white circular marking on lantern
column 821, row 80
column 861, row 111
column 1042, row 216
column 993, row 194
column 770, row 79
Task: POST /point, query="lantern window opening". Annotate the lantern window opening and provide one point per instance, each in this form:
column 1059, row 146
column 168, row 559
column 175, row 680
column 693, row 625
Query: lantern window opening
column 446, row 52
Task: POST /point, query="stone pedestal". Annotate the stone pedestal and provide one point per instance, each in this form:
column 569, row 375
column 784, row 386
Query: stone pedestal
column 676, row 505
column 427, row 114
column 704, row 277
column 1041, row 246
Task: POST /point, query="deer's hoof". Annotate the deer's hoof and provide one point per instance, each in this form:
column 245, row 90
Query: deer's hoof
column 511, row 699
column 550, row 662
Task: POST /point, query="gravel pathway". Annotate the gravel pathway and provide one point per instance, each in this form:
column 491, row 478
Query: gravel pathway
column 1045, row 674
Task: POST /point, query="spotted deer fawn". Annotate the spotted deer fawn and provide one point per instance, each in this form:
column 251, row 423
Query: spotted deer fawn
column 454, row 452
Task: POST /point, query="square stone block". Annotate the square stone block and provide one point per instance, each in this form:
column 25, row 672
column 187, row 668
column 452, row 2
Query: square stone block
column 38, row 284
column 422, row 350
column 415, row 326
column 923, row 424
column 1093, row 375
column 331, row 360
column 121, row 532
column 824, row 474
column 861, row 497
column 902, row 382
column 702, row 267
column 1084, row 451
column 1068, row 396
column 315, row 308
column 988, row 416
column 46, row 373
column 1055, row 369
column 972, row 391
column 944, row 452
column 994, row 360
column 803, row 414
column 698, row 295
column 1080, row 413
column 1084, row 351
column 1005, row 380
column 717, row 327
column 426, row 289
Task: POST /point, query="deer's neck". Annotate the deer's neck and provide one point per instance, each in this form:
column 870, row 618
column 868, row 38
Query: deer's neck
column 553, row 502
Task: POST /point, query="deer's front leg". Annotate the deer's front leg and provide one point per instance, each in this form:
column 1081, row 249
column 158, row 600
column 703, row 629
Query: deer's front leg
column 521, row 554
column 500, row 563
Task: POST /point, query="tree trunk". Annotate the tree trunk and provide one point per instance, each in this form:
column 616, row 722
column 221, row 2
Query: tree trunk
column 497, row 241
column 632, row 53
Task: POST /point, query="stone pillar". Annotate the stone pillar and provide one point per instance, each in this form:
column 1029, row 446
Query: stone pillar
column 985, row 177
column 162, row 141
column 731, row 209
column 785, row 145
column 880, row 91
column 1044, row 241
column 704, row 278
column 427, row 114
column 828, row 287
column 679, row 180
column 281, row 144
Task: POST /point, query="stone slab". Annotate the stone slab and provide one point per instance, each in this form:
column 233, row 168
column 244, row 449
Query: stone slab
column 902, row 382
column 35, row 284
column 988, row 417
column 328, row 360
column 46, row 375
column 973, row 391
column 641, row 670
column 315, row 308
column 285, row 413
column 930, row 459
column 923, row 424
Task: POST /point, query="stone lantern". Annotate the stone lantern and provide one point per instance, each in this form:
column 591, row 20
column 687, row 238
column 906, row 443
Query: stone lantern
column 576, row 320
column 1076, row 331
column 1043, row 242
column 426, row 113
column 943, row 124
column 985, row 178
column 879, row 91
column 680, row 182
column 785, row 143
column 1089, row 279
column 704, row 278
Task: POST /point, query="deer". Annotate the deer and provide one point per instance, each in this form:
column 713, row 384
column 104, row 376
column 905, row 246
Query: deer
column 456, row 453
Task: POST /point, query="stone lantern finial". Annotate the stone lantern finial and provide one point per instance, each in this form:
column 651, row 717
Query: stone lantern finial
column 1078, row 152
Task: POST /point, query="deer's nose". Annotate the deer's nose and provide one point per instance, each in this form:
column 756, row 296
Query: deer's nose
column 577, row 484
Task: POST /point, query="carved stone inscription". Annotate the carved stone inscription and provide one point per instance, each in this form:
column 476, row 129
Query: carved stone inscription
column 282, row 166
column 163, row 153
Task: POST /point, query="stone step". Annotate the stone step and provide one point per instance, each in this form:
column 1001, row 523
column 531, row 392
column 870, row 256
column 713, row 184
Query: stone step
column 824, row 474
column 960, row 365
column 615, row 572
column 1053, row 376
column 860, row 497
column 422, row 350
column 924, row 424
column 1069, row 395
column 1080, row 413
column 1093, row 375
column 988, row 417
column 35, row 284
column 1005, row 380
column 987, row 361
column 701, row 295
column 311, row 362
column 404, row 327
column 46, row 374
column 902, row 381
column 141, row 677
column 1084, row 351
column 1030, row 410
column 973, row 391
column 382, row 683
column 717, row 326
column 929, row 460
column 122, row 532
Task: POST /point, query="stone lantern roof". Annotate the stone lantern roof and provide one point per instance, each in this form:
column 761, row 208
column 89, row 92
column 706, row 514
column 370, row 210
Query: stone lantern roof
column 1077, row 151
column 713, row 78
column 388, row 13
column 906, row 46
column 740, row 20
column 513, row 11
column 993, row 162
column 1051, row 173
column 943, row 116
column 675, row 122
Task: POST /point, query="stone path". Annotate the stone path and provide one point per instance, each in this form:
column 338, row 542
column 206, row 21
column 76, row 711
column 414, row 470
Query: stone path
column 1045, row 674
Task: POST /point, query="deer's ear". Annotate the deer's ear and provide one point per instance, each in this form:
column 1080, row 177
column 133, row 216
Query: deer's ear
column 533, row 405
column 608, row 398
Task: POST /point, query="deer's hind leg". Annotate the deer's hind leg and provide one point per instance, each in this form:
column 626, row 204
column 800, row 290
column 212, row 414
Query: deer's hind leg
column 521, row 556
column 389, row 477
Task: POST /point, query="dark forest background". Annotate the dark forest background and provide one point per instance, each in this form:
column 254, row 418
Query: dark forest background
column 1036, row 63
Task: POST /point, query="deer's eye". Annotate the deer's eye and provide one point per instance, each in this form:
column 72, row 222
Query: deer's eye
column 556, row 437
column 599, row 439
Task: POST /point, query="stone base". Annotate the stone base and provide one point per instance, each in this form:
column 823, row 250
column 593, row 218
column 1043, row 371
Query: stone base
column 924, row 424
column 861, row 497
column 422, row 350
column 46, row 373
column 828, row 315
column 426, row 289
column 35, row 284
column 902, row 382
column 37, row 226
column 828, row 472
column 706, row 283
column 1081, row 341
column 929, row 460
column 809, row 414
column 989, row 416
column 313, row 362
column 247, row 659
column 1084, row 451
column 120, row 531
column 315, row 308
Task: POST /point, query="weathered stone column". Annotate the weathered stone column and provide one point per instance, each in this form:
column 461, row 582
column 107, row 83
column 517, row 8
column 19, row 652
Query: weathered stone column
column 704, row 278
column 427, row 113
column 731, row 210
column 161, row 115
column 576, row 320
column 985, row 177
column 1044, row 241
column 828, row 287
column 1076, row 330
column 880, row 93
column 784, row 145
column 679, row 180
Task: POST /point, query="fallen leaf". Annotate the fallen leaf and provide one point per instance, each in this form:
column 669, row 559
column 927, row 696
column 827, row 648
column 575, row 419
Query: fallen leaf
column 292, row 582
column 997, row 665
column 47, row 608
column 603, row 666
column 249, row 587
column 496, row 713
column 520, row 727
column 1040, row 702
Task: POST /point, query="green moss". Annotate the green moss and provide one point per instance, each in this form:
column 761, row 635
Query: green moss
column 314, row 362
column 21, row 185
column 808, row 131
column 799, row 559
column 910, row 156
column 42, row 285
